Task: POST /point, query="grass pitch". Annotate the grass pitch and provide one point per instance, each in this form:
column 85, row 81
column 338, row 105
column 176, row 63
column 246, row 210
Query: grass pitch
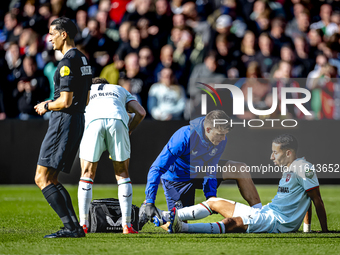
column 25, row 217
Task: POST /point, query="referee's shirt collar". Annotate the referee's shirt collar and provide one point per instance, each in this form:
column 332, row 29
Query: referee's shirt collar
column 69, row 50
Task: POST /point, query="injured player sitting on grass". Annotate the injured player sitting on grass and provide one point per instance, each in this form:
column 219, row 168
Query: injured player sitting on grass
column 292, row 204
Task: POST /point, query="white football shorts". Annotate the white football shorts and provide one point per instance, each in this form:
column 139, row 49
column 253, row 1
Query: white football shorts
column 105, row 134
column 258, row 220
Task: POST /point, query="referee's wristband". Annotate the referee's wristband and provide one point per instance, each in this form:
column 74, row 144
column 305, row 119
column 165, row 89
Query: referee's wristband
column 46, row 107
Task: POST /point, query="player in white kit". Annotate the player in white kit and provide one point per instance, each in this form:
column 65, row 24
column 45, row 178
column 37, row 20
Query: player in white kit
column 107, row 127
column 298, row 186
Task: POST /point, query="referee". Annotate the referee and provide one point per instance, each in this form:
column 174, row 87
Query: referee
column 72, row 82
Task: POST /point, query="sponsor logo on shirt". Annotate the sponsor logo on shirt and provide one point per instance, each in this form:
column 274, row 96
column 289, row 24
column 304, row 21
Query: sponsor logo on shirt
column 283, row 189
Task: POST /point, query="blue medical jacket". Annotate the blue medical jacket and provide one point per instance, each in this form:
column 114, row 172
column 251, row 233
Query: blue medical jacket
column 186, row 149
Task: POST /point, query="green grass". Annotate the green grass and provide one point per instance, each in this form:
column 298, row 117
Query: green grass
column 25, row 217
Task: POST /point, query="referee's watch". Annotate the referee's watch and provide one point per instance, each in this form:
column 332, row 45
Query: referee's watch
column 46, row 107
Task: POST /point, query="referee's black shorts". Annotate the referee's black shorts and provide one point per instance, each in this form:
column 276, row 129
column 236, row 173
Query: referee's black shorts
column 61, row 142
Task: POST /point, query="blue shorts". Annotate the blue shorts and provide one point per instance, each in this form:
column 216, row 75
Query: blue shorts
column 185, row 191
column 61, row 142
column 179, row 191
column 182, row 192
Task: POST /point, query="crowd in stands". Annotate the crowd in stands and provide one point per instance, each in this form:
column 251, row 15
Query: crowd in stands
column 159, row 49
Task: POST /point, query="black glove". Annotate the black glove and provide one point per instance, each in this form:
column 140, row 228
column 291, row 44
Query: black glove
column 151, row 210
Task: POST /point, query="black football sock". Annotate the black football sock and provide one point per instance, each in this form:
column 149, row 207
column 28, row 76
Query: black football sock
column 68, row 202
column 57, row 202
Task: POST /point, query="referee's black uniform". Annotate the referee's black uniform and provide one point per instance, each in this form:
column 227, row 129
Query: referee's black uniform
column 66, row 127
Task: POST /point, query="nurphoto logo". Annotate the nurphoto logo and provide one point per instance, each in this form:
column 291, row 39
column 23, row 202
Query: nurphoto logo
column 280, row 100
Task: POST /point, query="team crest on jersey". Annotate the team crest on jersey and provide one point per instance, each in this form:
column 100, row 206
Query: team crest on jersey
column 213, row 152
column 64, row 71
column 288, row 176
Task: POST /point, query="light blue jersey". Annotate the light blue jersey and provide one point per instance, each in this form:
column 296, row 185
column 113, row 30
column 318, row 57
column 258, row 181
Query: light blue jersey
column 291, row 202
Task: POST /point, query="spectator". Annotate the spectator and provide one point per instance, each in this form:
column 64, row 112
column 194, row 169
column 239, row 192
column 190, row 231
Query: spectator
column 277, row 35
column 12, row 29
column 248, row 49
column 138, row 81
column 32, row 88
column 164, row 21
column 178, row 20
column 176, row 6
column 325, row 24
column 265, row 55
column 325, row 94
column 99, row 46
column 149, row 34
column 147, row 62
column 321, row 61
column 331, row 50
column 206, row 73
column 302, row 55
column 166, row 99
column 316, row 42
column 111, row 71
column 262, row 23
column 5, row 86
column 81, row 22
column 227, row 60
column 259, row 7
column 134, row 44
column 184, row 55
column 222, row 25
column 301, row 28
column 143, row 10
column 32, row 18
column 282, row 78
column 260, row 90
column 287, row 55
column 166, row 60
column 200, row 27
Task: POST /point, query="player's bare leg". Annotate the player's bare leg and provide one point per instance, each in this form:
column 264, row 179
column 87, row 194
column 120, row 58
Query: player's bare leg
column 124, row 194
column 234, row 225
column 88, row 173
column 222, row 206
column 244, row 182
column 45, row 176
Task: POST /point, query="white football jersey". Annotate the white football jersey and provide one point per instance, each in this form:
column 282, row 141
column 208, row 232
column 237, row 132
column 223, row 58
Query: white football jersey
column 108, row 101
column 291, row 201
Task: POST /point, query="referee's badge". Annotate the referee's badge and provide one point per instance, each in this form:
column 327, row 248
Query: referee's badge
column 64, row 71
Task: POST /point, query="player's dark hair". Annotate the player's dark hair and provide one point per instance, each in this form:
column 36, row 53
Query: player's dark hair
column 99, row 80
column 287, row 142
column 65, row 24
column 214, row 115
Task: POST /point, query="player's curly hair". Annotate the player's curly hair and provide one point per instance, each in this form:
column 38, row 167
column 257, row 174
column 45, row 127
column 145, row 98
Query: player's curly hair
column 65, row 24
column 217, row 115
column 287, row 142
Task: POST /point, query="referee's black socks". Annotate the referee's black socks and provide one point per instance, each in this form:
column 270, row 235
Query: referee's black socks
column 57, row 202
column 68, row 202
